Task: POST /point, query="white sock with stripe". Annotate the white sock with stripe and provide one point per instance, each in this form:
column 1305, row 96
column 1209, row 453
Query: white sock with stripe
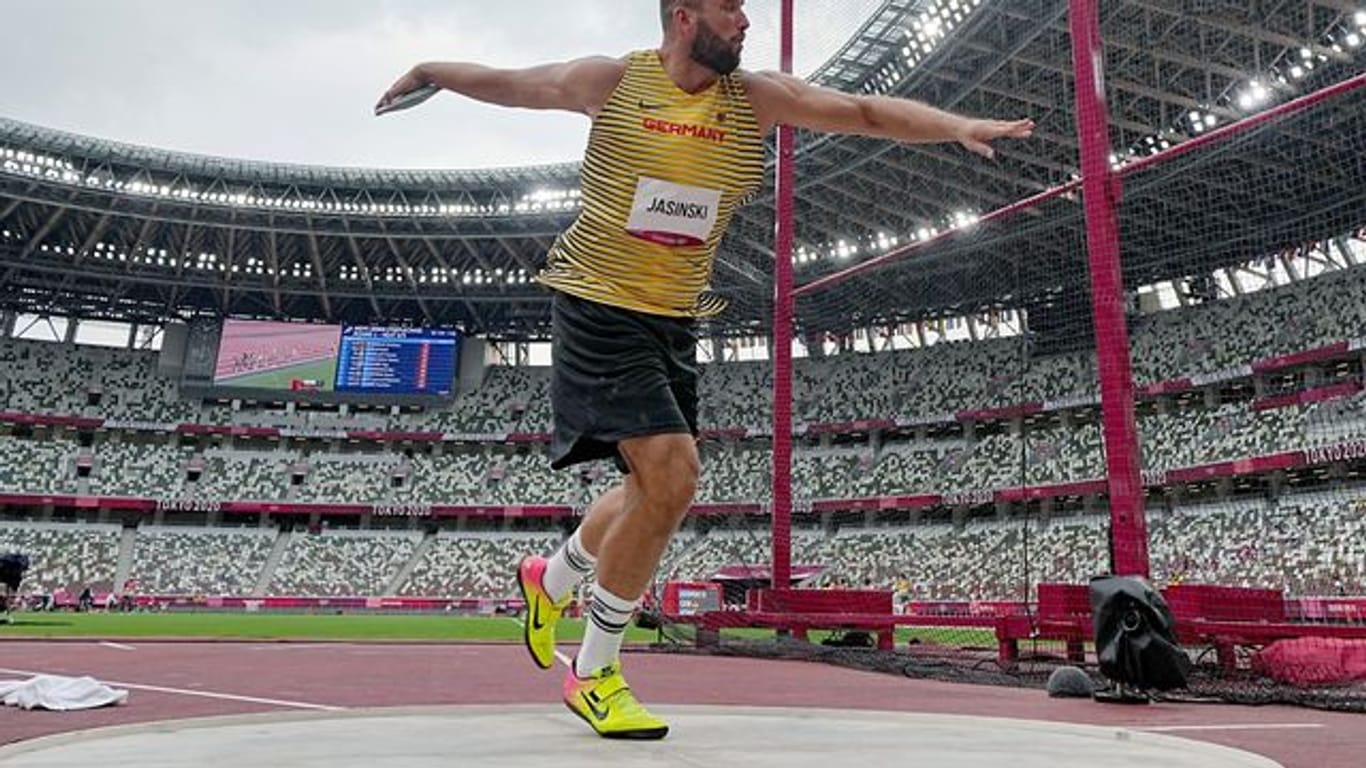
column 608, row 618
column 569, row 566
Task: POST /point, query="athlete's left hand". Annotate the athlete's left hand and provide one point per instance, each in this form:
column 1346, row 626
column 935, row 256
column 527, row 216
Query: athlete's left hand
column 977, row 135
column 410, row 81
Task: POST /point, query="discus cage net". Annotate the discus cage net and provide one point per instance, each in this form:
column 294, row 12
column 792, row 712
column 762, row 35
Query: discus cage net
column 1130, row 345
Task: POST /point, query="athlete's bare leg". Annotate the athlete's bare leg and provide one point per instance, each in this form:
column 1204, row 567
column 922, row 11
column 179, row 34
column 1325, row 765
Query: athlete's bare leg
column 636, row 526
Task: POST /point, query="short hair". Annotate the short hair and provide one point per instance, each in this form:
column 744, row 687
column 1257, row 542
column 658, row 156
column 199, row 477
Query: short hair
column 666, row 9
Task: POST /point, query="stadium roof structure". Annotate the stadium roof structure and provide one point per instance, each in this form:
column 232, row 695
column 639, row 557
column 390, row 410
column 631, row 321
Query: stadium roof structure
column 104, row 229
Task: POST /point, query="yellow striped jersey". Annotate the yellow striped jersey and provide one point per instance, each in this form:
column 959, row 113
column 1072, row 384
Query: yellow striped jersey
column 662, row 175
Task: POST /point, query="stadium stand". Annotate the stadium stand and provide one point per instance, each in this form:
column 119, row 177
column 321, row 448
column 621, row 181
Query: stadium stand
column 40, row 377
column 931, row 383
column 341, row 563
column 36, row 466
column 473, row 564
column 72, row 380
column 65, row 558
column 199, row 561
column 1305, row 544
column 1189, row 435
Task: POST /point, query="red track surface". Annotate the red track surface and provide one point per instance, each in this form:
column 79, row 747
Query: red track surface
column 341, row 675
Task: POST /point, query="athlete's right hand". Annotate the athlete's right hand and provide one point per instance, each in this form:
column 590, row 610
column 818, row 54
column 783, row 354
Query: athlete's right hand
column 411, row 81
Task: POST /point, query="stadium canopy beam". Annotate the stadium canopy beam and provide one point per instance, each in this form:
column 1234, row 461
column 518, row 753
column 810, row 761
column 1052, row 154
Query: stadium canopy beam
column 164, row 211
column 273, row 253
column 11, row 208
column 1322, row 254
column 1345, row 7
column 96, row 232
column 316, row 259
column 517, row 256
column 979, row 169
column 1230, row 25
column 139, row 245
column 1137, row 50
column 411, row 279
column 1004, row 95
column 477, row 255
column 1169, row 62
column 226, row 280
column 436, row 254
column 1289, row 265
column 364, row 271
column 1030, row 34
column 1345, row 249
column 902, row 170
column 182, row 254
column 53, row 219
column 27, row 251
column 922, row 172
column 1122, row 84
column 830, row 202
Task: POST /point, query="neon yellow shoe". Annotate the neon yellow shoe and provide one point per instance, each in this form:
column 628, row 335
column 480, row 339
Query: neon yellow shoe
column 542, row 613
column 606, row 703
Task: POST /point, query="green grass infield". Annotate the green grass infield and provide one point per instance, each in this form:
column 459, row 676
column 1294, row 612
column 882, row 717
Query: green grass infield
column 369, row 627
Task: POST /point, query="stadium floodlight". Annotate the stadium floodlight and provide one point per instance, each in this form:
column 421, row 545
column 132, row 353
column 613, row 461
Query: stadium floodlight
column 1360, row 18
column 964, row 219
column 1255, row 95
column 1353, row 40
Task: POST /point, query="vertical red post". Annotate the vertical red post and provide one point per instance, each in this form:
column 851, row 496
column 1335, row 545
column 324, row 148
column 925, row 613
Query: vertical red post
column 1101, row 191
column 782, row 333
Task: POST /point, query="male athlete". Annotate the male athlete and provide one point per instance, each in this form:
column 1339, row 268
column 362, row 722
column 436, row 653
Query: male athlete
column 677, row 144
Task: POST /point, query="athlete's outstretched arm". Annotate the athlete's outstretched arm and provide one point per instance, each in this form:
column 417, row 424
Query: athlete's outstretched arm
column 783, row 99
column 581, row 85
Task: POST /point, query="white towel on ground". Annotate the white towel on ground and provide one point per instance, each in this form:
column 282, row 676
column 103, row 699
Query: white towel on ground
column 60, row 694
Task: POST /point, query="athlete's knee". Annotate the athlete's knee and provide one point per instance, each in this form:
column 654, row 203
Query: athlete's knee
column 665, row 469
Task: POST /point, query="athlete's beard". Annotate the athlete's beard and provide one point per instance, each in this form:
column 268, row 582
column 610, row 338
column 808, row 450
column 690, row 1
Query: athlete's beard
column 713, row 52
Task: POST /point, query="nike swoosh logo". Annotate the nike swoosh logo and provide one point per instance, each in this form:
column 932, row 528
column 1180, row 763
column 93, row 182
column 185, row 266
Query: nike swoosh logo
column 600, row 714
column 536, row 616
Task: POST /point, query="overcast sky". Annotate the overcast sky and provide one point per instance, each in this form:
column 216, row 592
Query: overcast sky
column 296, row 80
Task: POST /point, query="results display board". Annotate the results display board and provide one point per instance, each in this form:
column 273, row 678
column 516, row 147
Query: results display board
column 402, row 361
column 300, row 357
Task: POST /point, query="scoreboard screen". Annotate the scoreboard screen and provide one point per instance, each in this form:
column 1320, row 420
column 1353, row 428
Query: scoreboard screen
column 397, row 361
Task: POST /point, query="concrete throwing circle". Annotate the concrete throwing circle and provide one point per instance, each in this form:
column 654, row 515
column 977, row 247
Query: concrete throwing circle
column 508, row 736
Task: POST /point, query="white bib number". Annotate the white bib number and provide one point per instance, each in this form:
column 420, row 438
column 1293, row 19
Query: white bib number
column 673, row 214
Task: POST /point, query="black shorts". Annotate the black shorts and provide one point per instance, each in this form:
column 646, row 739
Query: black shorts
column 617, row 373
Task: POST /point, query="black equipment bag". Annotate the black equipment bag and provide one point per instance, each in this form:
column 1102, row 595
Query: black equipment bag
column 1136, row 635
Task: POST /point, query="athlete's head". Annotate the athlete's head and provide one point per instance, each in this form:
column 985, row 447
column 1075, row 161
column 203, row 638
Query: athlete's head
column 713, row 30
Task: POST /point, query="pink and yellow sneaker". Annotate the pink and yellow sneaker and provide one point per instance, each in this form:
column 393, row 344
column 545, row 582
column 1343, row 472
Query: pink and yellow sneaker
column 605, row 702
column 542, row 612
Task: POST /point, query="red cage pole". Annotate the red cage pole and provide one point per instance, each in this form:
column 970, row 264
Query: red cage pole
column 782, row 334
column 1101, row 192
